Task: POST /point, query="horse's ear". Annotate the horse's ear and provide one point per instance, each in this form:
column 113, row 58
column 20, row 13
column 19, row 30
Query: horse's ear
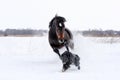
column 56, row 15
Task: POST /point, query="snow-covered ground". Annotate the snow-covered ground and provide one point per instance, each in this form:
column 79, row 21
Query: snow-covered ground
column 31, row 58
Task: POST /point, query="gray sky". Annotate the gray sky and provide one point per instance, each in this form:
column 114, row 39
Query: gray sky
column 80, row 14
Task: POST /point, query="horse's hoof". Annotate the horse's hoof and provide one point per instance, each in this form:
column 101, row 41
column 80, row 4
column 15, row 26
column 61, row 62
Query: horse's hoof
column 78, row 67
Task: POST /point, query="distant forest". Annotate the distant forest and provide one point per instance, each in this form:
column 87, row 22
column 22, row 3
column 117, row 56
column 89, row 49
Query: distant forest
column 101, row 33
column 33, row 32
column 22, row 32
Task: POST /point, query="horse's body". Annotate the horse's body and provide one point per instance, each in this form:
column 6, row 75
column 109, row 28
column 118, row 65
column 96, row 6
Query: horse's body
column 59, row 36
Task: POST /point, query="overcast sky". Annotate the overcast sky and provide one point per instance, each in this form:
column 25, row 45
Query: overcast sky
column 80, row 14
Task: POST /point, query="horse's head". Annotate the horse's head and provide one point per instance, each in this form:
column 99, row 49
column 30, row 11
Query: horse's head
column 58, row 23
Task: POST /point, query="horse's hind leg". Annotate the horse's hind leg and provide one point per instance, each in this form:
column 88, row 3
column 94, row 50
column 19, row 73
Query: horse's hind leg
column 77, row 63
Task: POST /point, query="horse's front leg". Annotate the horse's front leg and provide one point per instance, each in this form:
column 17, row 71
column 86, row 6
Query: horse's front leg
column 67, row 48
column 66, row 45
column 56, row 51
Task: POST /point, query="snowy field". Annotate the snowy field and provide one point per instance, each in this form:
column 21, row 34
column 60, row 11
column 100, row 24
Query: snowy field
column 31, row 58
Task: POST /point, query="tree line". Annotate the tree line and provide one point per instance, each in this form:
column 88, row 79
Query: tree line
column 22, row 32
column 101, row 33
column 33, row 32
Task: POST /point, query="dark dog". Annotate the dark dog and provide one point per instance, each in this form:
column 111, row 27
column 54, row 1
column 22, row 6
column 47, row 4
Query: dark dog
column 68, row 58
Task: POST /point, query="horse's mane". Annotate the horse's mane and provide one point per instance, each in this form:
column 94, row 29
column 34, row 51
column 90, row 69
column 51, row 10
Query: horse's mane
column 58, row 18
column 69, row 33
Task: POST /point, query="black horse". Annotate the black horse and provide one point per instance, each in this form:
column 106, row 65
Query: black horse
column 59, row 36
